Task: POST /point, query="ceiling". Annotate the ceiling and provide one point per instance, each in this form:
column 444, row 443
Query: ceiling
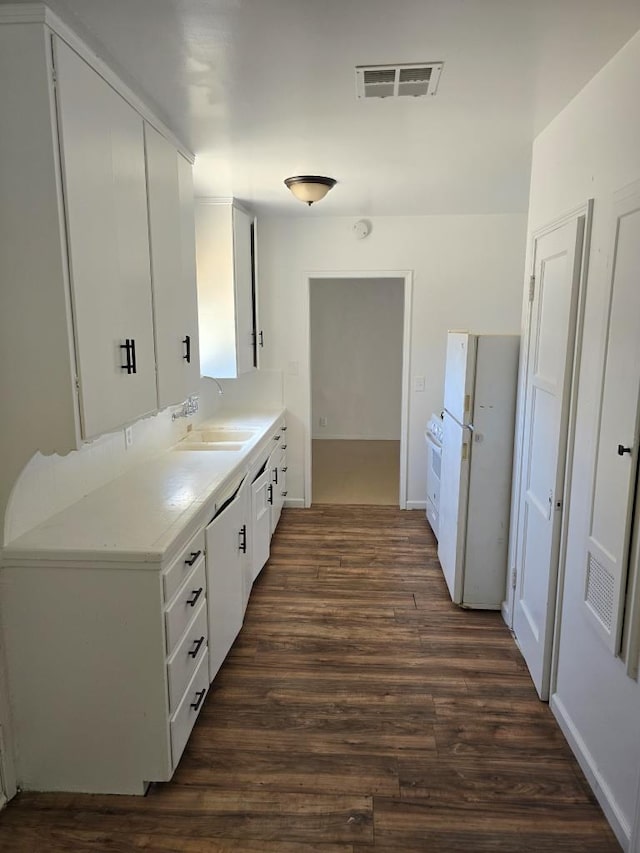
column 264, row 89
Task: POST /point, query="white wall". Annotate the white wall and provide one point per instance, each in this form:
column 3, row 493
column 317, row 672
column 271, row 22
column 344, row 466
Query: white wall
column 356, row 357
column 467, row 273
column 592, row 149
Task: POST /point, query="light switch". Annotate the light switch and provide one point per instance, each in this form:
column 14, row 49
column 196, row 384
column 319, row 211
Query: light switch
column 418, row 383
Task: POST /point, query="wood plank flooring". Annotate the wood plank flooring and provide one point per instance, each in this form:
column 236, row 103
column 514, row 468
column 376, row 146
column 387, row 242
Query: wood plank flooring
column 358, row 712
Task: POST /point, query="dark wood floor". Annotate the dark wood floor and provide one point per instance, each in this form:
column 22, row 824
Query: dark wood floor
column 358, row 711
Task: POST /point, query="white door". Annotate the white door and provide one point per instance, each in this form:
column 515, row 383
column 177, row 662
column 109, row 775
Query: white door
column 454, row 490
column 261, row 522
column 558, row 256
column 244, row 289
column 102, row 149
column 172, row 239
column 225, row 542
column 460, row 375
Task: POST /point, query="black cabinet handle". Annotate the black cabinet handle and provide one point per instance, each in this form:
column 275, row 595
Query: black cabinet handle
column 276, row 438
column 199, row 697
column 284, row 429
column 622, row 450
column 134, row 369
column 270, row 494
column 274, row 475
column 243, row 539
column 283, row 446
column 197, row 644
column 129, row 366
column 261, row 337
column 187, row 347
column 194, row 556
column 285, row 469
column 284, row 494
column 196, row 593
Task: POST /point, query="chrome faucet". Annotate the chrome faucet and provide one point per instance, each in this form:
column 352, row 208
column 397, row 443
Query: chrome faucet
column 189, row 407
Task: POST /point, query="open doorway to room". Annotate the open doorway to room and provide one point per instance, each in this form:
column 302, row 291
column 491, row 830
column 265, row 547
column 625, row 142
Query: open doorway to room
column 357, row 354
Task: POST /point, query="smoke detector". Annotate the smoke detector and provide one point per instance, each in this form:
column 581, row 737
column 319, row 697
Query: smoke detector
column 414, row 80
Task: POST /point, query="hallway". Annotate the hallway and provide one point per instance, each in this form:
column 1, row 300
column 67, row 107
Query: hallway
column 358, row 711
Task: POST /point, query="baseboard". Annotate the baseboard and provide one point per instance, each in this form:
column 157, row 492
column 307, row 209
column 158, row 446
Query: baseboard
column 598, row 785
column 416, row 505
column 329, row 436
column 506, row 614
column 294, row 503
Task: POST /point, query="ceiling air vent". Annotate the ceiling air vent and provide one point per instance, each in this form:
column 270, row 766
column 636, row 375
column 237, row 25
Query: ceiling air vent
column 397, row 81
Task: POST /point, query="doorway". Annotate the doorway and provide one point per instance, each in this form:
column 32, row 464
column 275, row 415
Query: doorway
column 358, row 353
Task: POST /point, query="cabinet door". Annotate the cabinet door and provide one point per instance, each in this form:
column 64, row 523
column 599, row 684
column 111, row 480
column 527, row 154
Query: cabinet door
column 102, row 154
column 260, row 522
column 224, row 543
column 172, row 241
column 243, row 283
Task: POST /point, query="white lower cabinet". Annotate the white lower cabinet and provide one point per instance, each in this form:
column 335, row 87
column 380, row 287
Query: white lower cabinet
column 185, row 717
column 261, row 491
column 226, row 545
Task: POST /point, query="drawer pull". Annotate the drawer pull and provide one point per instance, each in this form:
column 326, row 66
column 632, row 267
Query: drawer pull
column 193, row 558
column 285, row 469
column 196, row 593
column 283, row 446
column 187, row 345
column 276, row 438
column 270, row 494
column 284, row 494
column 199, row 697
column 274, row 475
column 284, row 429
column 196, row 647
column 242, row 535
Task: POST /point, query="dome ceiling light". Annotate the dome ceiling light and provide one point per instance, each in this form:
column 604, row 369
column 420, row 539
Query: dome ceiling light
column 310, row 188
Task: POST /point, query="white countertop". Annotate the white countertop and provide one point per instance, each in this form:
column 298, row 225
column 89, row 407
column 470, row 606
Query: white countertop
column 150, row 512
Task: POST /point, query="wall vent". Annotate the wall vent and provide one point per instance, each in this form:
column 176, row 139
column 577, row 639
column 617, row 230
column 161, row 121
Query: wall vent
column 600, row 592
column 414, row 80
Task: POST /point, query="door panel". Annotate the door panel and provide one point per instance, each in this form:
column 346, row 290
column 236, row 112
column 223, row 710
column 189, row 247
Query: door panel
column 460, row 374
column 558, row 256
column 454, row 487
column 243, row 289
column 261, row 522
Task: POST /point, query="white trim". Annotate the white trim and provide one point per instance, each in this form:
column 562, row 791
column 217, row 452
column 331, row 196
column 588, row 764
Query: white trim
column 416, row 505
column 597, row 783
column 355, row 437
column 294, row 503
column 39, row 13
column 407, row 277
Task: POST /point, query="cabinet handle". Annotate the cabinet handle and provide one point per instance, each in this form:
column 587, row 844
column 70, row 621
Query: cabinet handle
column 283, row 447
column 134, row 369
column 274, row 476
column 193, row 558
column 270, row 493
column 276, row 438
column 187, row 346
column 285, row 469
column 199, row 697
column 284, row 494
column 197, row 644
column 243, row 539
column 622, row 450
column 261, row 336
column 126, row 346
column 196, row 593
column 284, row 429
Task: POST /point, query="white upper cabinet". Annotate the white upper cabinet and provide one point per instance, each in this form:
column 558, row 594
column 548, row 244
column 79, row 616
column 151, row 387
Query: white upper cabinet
column 226, row 289
column 103, row 173
column 173, row 273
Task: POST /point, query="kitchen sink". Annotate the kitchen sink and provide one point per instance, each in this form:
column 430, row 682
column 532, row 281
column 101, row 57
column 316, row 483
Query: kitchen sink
column 216, row 438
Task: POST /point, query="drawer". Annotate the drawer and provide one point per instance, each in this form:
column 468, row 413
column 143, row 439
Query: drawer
column 182, row 609
column 174, row 576
column 185, row 659
column 432, row 517
column 184, row 718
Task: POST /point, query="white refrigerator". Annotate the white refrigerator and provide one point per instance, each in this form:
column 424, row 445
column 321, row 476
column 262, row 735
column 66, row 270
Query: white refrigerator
column 477, row 454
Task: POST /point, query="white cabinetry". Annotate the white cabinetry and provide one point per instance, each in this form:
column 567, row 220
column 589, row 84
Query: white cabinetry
column 227, row 537
column 103, row 167
column 104, row 668
column 261, row 497
column 173, row 272
column 76, row 322
column 225, row 274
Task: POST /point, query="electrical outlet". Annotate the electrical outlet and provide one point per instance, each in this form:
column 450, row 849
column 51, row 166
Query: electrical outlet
column 323, row 422
column 128, row 437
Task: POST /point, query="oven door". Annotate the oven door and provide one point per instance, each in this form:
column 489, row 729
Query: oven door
column 434, row 463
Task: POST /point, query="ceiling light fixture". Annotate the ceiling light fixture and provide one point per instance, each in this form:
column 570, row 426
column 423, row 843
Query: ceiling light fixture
column 310, row 188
